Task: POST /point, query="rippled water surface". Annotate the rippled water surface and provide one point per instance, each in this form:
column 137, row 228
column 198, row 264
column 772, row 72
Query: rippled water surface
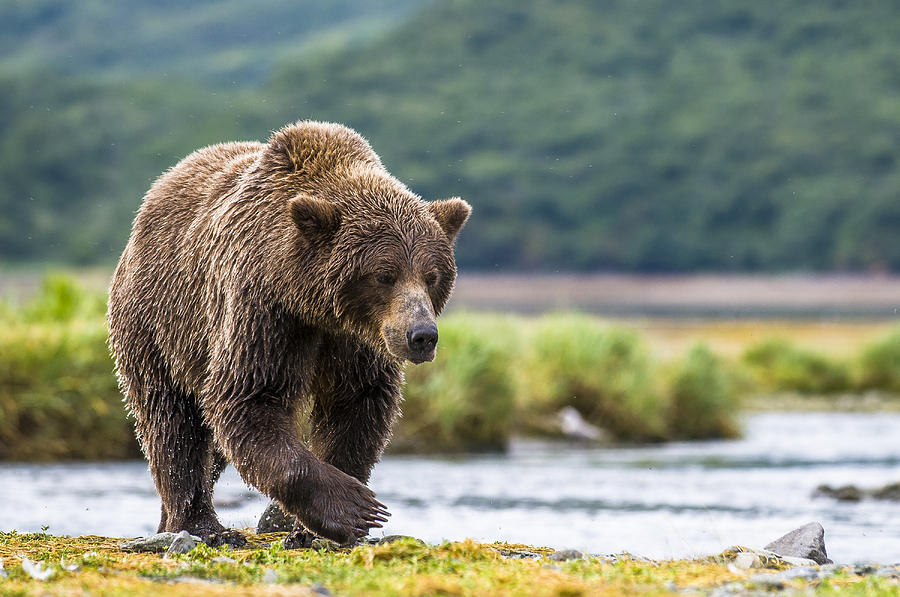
column 671, row 500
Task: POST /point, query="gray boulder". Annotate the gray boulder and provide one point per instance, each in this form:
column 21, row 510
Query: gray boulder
column 806, row 542
column 274, row 520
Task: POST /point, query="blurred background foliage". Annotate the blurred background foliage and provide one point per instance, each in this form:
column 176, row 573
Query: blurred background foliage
column 641, row 136
column 498, row 376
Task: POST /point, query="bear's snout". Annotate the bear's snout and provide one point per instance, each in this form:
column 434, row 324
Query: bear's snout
column 422, row 340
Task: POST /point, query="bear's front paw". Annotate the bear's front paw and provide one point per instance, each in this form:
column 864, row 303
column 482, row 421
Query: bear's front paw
column 336, row 506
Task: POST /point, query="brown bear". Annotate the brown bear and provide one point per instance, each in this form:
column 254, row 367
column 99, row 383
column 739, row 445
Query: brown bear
column 260, row 278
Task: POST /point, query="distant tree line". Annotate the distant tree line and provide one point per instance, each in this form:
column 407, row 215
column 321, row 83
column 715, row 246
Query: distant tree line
column 651, row 136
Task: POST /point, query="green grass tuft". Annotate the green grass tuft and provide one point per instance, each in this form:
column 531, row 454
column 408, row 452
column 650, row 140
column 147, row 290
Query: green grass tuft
column 778, row 365
column 703, row 397
column 604, row 372
column 879, row 364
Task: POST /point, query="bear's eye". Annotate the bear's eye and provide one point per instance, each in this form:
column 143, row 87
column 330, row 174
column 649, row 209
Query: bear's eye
column 385, row 278
column 431, row 278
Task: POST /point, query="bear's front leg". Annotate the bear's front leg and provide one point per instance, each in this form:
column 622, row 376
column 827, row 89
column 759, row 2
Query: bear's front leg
column 256, row 430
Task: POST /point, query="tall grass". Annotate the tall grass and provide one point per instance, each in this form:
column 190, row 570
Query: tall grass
column 494, row 377
column 602, row 371
column 879, row 364
column 703, row 397
column 779, row 365
column 58, row 395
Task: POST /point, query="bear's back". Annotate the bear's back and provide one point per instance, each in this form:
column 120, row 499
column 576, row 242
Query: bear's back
column 160, row 281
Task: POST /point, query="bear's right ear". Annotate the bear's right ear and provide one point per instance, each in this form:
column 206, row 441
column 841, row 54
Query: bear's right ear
column 317, row 219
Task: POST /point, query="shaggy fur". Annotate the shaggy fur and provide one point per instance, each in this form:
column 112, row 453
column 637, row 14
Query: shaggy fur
column 259, row 277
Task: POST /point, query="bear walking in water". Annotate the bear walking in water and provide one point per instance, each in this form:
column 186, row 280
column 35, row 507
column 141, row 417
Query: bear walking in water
column 260, row 278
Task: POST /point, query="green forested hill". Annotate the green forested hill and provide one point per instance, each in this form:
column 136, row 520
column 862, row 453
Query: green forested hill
column 224, row 42
column 651, row 135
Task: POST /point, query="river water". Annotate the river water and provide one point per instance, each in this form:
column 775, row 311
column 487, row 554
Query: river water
column 664, row 501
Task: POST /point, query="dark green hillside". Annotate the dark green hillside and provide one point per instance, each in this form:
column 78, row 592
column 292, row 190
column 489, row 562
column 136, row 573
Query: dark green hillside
column 651, row 135
column 644, row 135
column 225, row 42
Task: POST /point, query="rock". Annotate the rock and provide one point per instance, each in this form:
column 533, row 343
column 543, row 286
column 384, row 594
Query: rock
column 68, row 567
column 865, row 568
column 806, row 542
column 274, row 520
column 159, row 542
column 845, row 493
column 36, row 570
column 565, row 555
column 223, row 560
column 183, row 543
column 3, row 573
column 510, row 554
column 746, row 560
column 889, row 572
column 888, row 492
column 270, row 576
column 573, row 426
column 320, row 590
column 852, row 493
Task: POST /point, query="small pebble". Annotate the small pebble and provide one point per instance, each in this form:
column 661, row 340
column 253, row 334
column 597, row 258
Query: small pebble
column 320, row 589
column 223, row 560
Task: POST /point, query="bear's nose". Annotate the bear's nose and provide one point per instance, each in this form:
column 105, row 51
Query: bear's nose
column 422, row 338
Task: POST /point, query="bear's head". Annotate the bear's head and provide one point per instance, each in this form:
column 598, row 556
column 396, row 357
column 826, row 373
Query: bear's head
column 386, row 256
column 391, row 266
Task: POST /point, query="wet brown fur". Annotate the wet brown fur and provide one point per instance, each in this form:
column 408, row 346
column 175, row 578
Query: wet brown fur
column 259, row 277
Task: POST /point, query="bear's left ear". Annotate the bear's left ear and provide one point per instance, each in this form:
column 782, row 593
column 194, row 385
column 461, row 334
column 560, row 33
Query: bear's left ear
column 451, row 214
column 317, row 219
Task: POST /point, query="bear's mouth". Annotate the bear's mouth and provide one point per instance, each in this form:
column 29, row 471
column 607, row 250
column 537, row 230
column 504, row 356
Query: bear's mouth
column 419, row 359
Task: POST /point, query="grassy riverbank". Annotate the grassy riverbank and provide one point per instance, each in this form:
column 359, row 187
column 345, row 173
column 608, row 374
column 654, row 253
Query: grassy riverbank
column 96, row 565
column 495, row 376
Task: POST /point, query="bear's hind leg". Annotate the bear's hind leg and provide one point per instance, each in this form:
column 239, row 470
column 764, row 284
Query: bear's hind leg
column 184, row 466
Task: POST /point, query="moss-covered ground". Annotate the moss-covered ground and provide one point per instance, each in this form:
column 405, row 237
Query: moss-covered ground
column 98, row 566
